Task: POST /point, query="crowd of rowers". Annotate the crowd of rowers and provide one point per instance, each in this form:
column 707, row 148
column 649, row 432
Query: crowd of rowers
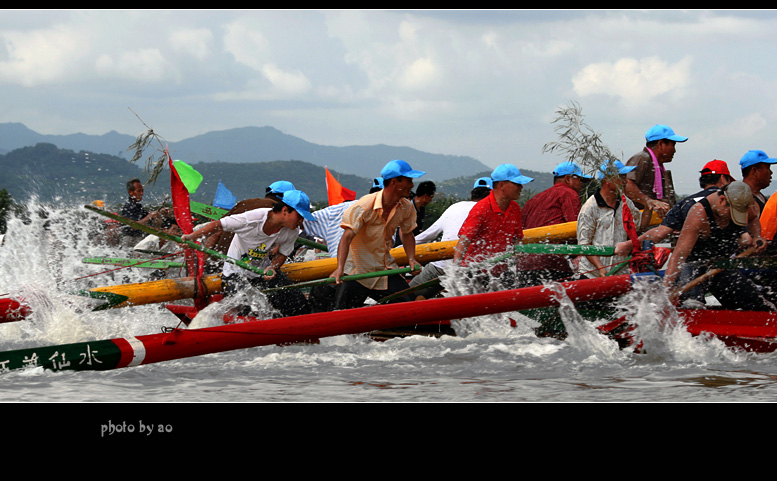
column 718, row 222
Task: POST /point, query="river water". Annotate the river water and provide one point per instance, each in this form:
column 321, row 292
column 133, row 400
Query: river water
column 488, row 362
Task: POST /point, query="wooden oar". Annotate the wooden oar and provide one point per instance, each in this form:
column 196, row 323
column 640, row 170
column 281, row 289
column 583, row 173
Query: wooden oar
column 676, row 293
column 174, row 238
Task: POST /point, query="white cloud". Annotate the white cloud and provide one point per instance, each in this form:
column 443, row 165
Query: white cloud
column 635, row 82
column 743, row 127
column 420, row 74
column 195, row 42
column 291, row 83
column 41, row 56
column 147, row 65
column 247, row 45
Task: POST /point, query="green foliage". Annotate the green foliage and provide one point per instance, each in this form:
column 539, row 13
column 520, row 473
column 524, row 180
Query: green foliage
column 437, row 206
column 53, row 174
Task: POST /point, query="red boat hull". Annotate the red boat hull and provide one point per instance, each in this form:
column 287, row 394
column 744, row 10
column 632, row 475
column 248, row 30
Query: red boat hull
column 754, row 331
column 12, row 310
column 750, row 330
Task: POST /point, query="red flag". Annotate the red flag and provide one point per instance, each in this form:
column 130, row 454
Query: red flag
column 337, row 193
column 195, row 260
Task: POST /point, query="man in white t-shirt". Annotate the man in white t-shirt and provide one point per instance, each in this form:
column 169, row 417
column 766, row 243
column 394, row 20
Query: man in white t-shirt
column 264, row 238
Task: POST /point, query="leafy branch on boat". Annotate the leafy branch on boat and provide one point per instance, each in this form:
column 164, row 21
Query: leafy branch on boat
column 155, row 162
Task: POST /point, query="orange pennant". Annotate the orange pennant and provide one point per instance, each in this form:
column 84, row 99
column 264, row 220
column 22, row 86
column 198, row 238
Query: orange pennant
column 337, row 193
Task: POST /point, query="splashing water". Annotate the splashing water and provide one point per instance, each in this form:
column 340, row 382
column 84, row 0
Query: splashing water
column 41, row 263
column 660, row 331
column 581, row 333
column 458, row 281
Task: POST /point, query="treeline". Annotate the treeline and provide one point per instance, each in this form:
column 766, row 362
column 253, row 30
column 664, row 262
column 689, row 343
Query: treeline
column 65, row 177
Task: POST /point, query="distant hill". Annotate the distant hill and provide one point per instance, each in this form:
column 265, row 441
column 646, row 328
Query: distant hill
column 255, row 144
column 51, row 173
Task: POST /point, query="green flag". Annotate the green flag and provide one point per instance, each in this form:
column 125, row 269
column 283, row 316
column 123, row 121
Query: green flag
column 191, row 178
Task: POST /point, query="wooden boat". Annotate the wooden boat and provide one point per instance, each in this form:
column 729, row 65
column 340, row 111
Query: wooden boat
column 168, row 290
column 433, row 329
column 754, row 331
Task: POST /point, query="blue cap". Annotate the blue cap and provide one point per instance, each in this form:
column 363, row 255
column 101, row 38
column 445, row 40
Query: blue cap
column 753, row 157
column 569, row 168
column 618, row 165
column 299, row 201
column 511, row 173
column 659, row 132
column 484, row 182
column 377, row 182
column 280, row 187
column 399, row 168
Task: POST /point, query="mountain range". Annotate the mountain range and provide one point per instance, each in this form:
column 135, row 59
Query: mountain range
column 91, row 167
column 256, row 144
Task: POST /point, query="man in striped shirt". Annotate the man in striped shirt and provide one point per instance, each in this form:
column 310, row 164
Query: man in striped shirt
column 327, row 226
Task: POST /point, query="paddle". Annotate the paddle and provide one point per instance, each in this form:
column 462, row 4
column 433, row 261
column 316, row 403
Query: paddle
column 310, row 243
column 174, row 238
column 141, row 263
column 676, row 293
column 556, row 249
column 111, row 299
column 206, row 210
column 566, row 249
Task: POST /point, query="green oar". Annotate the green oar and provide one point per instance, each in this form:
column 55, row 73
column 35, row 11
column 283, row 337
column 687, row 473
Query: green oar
column 174, row 238
column 206, row 210
column 312, row 244
column 557, row 249
column 119, row 261
column 566, row 249
column 331, row 280
column 112, row 299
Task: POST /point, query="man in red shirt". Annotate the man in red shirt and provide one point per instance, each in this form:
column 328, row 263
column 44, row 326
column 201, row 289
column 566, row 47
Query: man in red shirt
column 493, row 226
column 560, row 203
column 556, row 205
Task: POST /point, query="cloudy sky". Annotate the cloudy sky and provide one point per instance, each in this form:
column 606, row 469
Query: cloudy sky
column 481, row 83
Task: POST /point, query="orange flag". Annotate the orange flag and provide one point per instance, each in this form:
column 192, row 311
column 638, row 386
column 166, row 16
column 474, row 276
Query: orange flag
column 769, row 219
column 337, row 193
